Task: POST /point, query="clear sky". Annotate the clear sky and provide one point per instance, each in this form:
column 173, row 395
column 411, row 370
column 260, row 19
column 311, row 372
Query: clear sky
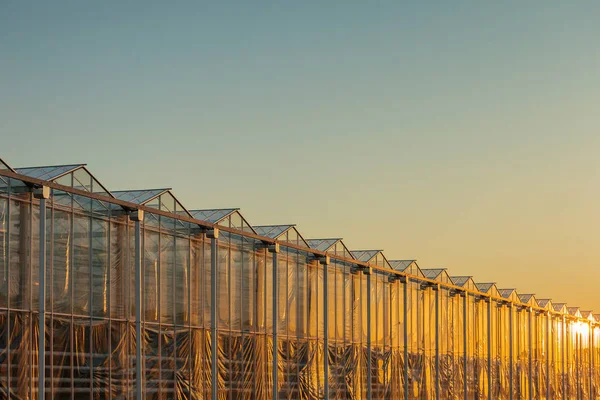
column 463, row 134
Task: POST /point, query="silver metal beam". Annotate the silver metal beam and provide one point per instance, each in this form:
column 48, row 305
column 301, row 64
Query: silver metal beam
column 436, row 291
column 548, row 327
column 274, row 249
column 562, row 373
column 138, row 217
column 510, row 350
column 325, row 262
column 42, row 194
column 489, row 348
column 591, row 346
column 530, row 345
column 369, row 355
column 465, row 345
column 213, row 235
column 405, row 283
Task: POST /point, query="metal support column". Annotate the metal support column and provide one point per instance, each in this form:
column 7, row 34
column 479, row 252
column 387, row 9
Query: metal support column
column 577, row 364
column 42, row 194
column 274, row 249
column 436, row 291
column 138, row 217
column 213, row 235
column 405, row 281
column 324, row 260
column 548, row 323
column 510, row 350
column 530, row 345
column 465, row 344
column 562, row 347
column 369, row 355
column 591, row 346
column 489, row 346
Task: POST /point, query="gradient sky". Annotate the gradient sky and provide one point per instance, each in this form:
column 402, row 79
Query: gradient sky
column 463, row 134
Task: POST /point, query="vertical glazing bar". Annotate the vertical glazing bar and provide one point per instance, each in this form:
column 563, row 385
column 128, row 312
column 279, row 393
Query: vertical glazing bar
column 369, row 372
column 437, row 341
column 325, row 262
column 138, row 216
column 489, row 347
column 510, row 350
column 274, row 249
column 548, row 322
column 465, row 343
column 213, row 235
column 563, row 344
column 577, row 360
column 591, row 347
column 404, row 281
column 42, row 194
column 530, row 346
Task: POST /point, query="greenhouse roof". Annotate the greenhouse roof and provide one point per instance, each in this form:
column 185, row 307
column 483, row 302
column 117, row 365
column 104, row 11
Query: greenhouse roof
column 365, row 255
column 559, row 307
column 285, row 233
column 574, row 311
column 461, row 280
column 406, row 266
column 331, row 245
column 588, row 315
column 543, row 302
column 322, row 244
column 229, row 217
column 73, row 175
column 48, row 173
column 507, row 293
column 213, row 216
column 372, row 257
column 525, row 298
column 141, row 197
column 272, row 231
column 484, row 287
column 432, row 273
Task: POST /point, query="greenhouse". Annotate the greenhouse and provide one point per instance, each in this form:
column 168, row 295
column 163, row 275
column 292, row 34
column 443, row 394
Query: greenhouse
column 130, row 294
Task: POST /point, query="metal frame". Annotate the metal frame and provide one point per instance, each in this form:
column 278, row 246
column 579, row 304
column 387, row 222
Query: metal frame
column 212, row 231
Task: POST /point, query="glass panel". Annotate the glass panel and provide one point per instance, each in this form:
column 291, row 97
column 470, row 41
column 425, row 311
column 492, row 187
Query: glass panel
column 81, row 265
column 100, row 268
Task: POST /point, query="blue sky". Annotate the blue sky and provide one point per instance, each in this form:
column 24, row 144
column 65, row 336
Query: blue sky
column 463, row 134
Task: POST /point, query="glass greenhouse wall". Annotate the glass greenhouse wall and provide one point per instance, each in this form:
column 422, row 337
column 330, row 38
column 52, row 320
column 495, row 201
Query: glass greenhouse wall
column 127, row 295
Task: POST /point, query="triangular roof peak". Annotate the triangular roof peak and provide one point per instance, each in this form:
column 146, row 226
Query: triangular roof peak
column 507, row 293
column 285, row 233
column 140, row 196
column 485, row 287
column 543, row 302
column 432, row 273
column 365, row 255
column 272, row 231
column 72, row 175
column 574, row 311
column 560, row 307
column 401, row 265
column 406, row 266
column 322, row 244
column 526, row 298
column 461, row 280
column 48, row 172
column 334, row 246
column 228, row 217
column 161, row 199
